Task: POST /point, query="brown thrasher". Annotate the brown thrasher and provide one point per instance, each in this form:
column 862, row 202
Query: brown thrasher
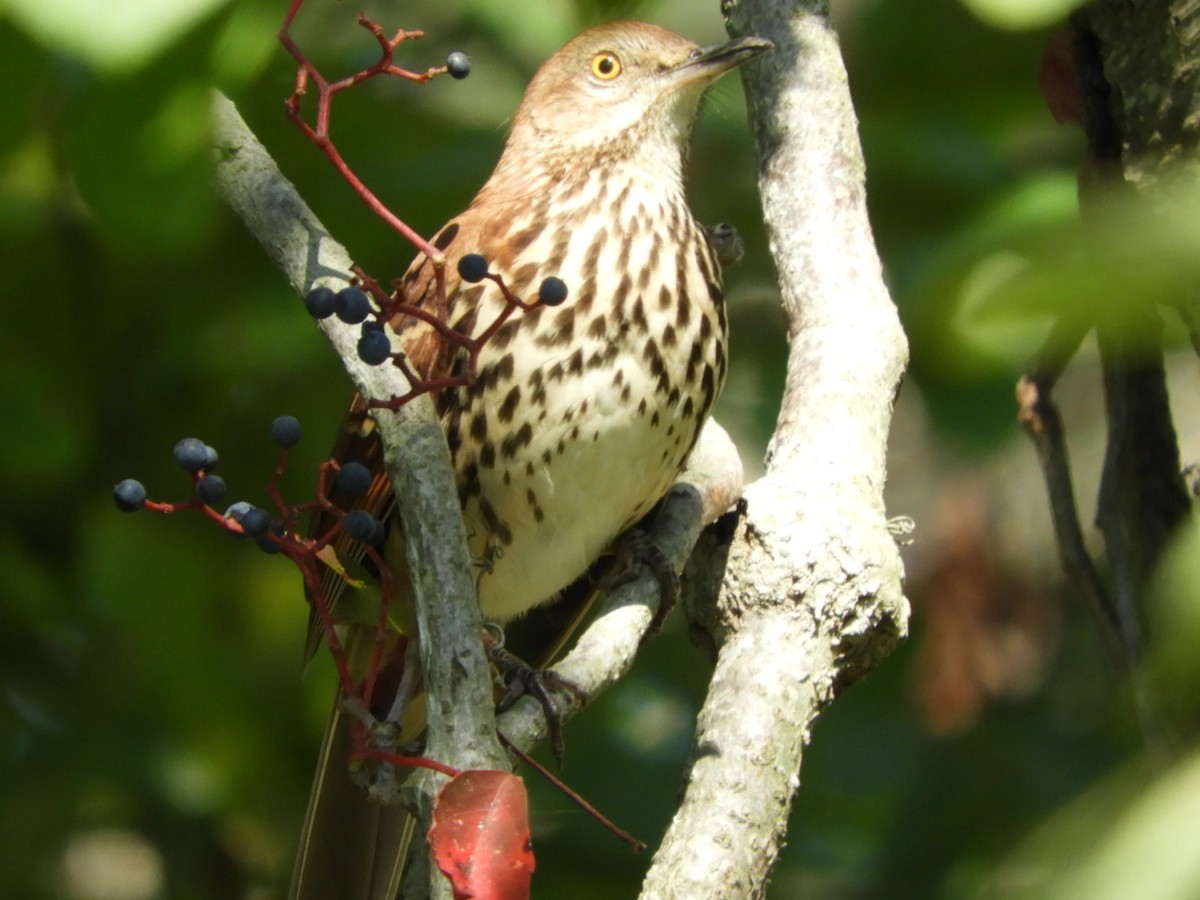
column 582, row 414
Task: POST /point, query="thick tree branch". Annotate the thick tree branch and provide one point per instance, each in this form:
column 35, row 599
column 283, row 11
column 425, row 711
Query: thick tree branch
column 812, row 594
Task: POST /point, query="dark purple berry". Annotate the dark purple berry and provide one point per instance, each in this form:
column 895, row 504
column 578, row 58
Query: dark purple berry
column 237, row 510
column 129, row 495
column 321, row 302
column 192, row 454
column 285, row 431
column 211, row 458
column 267, row 545
column 472, row 268
column 353, row 479
column 374, row 347
column 352, row 305
column 553, row 291
column 255, row 522
column 362, row 526
column 210, row 489
column 458, row 64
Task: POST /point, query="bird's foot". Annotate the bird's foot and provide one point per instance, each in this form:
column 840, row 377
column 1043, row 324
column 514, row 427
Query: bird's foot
column 519, row 678
column 633, row 553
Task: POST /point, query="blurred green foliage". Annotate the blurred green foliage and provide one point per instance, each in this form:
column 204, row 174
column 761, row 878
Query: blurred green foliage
column 152, row 712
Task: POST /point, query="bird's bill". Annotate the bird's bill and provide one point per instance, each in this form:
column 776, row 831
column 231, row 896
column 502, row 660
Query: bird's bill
column 709, row 62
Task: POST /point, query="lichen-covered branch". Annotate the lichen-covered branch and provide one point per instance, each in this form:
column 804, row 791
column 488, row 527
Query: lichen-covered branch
column 812, row 596
column 458, row 683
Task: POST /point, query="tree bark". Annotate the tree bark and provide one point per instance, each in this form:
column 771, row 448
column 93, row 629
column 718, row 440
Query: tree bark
column 811, row 599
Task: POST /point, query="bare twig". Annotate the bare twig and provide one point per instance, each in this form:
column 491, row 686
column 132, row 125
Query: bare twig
column 1039, row 416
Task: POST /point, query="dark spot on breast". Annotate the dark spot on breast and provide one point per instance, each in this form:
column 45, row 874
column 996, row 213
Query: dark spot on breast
column 443, row 238
column 664, row 297
column 468, row 480
column 487, row 455
column 575, row 362
column 515, row 441
column 518, row 241
column 638, row 316
column 592, row 258
column 693, row 361
column 479, row 427
column 537, row 382
column 689, row 409
column 509, row 406
column 622, row 294
column 494, row 523
column 504, row 335
column 668, row 336
column 684, row 309
column 519, row 281
column 598, row 327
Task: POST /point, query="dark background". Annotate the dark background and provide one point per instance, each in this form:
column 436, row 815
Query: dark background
column 156, row 736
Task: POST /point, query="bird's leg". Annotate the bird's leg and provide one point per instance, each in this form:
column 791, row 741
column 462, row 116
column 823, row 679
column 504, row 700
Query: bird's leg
column 633, row 553
column 520, row 678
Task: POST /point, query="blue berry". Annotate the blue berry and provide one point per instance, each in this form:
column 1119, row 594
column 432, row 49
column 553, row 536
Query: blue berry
column 192, row 454
column 321, row 302
column 352, row 305
column 353, row 479
column 472, row 268
column 211, row 458
column 255, row 522
column 266, row 544
column 374, row 347
column 129, row 495
column 238, row 510
column 285, row 431
column 458, row 64
column 210, row 489
column 362, row 526
column 553, row 291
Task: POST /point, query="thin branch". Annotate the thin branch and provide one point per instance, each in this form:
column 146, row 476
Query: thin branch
column 1038, row 415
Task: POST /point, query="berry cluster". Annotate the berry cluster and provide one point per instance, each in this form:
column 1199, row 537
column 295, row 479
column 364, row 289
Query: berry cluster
column 274, row 533
column 353, row 306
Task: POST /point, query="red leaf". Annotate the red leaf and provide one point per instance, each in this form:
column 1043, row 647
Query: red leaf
column 480, row 836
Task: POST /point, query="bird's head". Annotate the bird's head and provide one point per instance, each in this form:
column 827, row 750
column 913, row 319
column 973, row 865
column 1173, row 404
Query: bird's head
column 622, row 85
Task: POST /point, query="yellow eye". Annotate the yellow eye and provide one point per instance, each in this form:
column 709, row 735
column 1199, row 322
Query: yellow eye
column 606, row 66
